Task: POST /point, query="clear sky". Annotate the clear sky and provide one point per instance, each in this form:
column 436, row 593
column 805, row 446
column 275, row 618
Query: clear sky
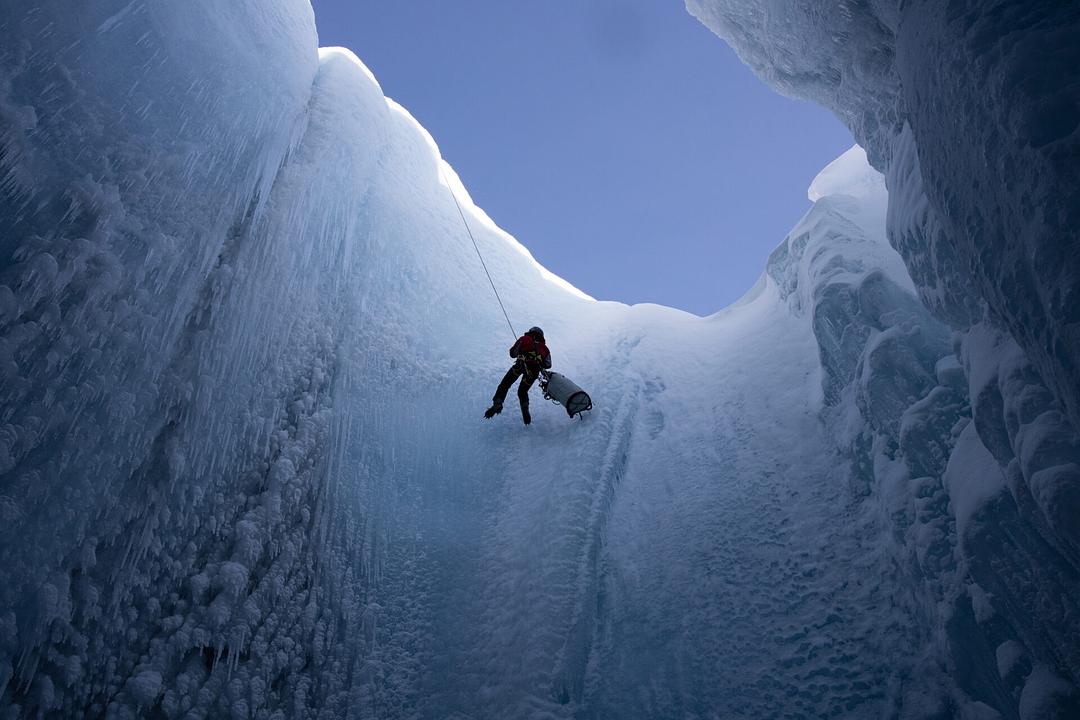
column 619, row 140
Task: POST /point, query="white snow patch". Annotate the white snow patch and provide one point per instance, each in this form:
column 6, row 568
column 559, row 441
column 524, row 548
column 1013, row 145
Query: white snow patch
column 972, row 477
column 849, row 174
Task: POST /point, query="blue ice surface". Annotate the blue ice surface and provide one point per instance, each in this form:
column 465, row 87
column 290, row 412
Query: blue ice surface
column 245, row 343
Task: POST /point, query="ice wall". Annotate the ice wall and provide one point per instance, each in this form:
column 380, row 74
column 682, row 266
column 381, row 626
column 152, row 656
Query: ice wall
column 225, row 258
column 970, row 110
column 244, row 345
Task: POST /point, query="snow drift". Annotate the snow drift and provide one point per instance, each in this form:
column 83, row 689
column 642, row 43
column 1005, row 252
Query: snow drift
column 244, row 346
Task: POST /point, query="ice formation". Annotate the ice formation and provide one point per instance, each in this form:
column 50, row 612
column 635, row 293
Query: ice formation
column 972, row 111
column 245, row 342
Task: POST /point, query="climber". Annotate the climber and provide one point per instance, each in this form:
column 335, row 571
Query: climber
column 531, row 356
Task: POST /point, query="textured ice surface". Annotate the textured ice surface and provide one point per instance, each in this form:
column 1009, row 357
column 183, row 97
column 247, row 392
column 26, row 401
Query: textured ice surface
column 972, row 111
column 244, row 347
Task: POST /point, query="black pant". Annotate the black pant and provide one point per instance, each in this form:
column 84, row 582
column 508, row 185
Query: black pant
column 518, row 370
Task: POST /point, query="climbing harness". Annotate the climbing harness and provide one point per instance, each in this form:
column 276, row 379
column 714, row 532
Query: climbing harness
column 477, row 249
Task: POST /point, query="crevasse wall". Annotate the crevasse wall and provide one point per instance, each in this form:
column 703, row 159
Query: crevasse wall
column 190, row 269
column 972, row 112
column 244, row 342
column 158, row 448
column 224, row 256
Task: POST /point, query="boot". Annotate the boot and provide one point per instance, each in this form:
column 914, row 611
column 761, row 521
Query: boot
column 525, row 416
column 495, row 409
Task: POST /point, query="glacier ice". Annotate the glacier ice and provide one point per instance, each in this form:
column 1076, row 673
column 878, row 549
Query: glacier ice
column 970, row 109
column 244, row 346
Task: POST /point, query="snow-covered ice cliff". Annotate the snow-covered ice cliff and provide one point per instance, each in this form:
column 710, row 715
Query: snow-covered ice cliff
column 244, row 344
column 972, row 111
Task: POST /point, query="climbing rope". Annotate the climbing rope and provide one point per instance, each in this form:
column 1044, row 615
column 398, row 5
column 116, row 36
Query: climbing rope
column 477, row 249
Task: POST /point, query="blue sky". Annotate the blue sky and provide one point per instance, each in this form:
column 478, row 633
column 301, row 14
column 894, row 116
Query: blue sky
column 620, row 141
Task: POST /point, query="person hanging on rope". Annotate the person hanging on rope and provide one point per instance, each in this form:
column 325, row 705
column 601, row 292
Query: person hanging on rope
column 531, row 356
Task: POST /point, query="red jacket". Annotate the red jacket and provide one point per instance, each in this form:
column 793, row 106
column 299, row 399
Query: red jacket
column 534, row 352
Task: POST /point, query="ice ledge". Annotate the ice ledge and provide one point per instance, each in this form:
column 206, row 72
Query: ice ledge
column 849, row 174
column 476, row 217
